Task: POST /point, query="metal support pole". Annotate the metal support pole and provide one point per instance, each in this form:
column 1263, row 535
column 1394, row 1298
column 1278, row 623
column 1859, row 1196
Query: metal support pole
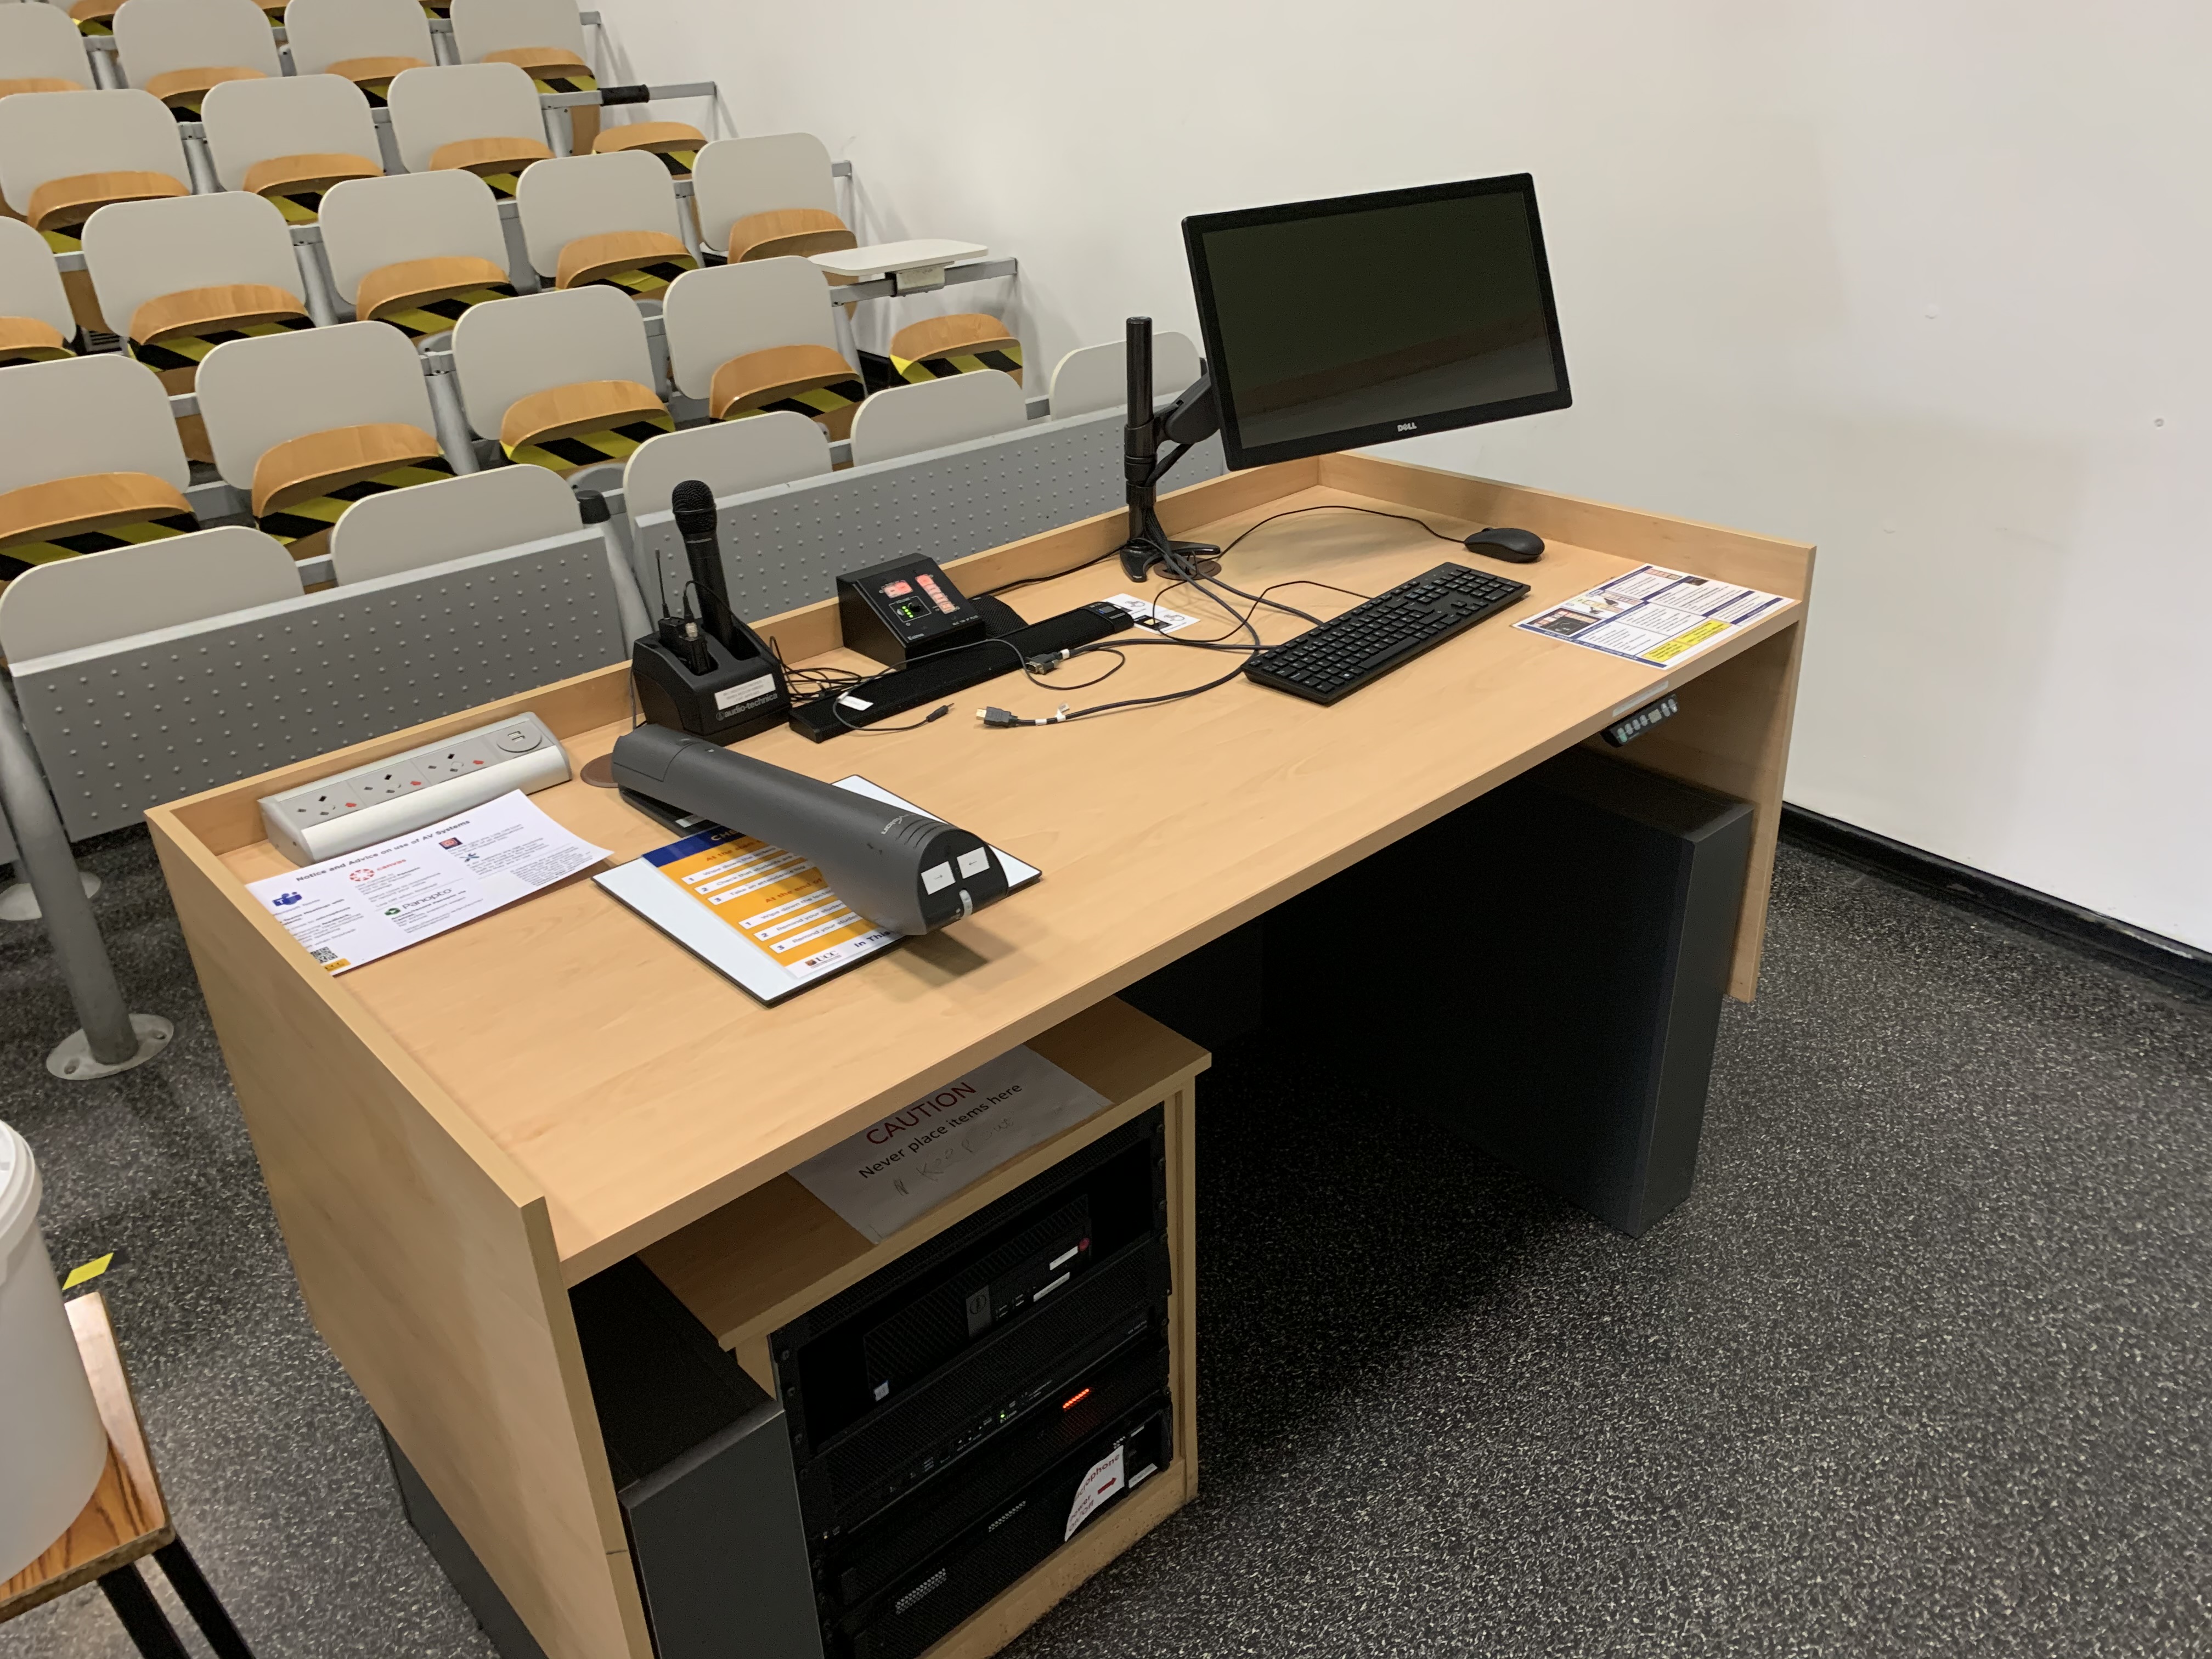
column 143, row 1621
column 106, row 73
column 322, row 290
column 200, row 161
column 201, row 1601
column 621, row 568
column 447, row 412
column 112, row 1039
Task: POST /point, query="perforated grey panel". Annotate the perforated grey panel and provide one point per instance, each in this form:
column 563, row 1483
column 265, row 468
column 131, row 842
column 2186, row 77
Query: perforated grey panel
column 782, row 548
column 126, row 726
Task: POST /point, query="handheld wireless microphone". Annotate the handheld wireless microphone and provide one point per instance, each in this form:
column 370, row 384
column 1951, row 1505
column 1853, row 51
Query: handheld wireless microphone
column 713, row 677
column 692, row 505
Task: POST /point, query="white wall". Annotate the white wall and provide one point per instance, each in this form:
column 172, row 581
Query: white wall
column 1925, row 284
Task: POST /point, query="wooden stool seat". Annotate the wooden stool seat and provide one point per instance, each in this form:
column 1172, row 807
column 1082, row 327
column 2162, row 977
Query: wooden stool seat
column 126, row 1518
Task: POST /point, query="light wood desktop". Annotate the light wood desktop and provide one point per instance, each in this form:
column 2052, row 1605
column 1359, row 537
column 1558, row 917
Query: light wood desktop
column 453, row 1135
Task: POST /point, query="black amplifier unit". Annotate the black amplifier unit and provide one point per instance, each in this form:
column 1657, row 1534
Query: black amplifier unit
column 971, row 1566
column 891, row 1384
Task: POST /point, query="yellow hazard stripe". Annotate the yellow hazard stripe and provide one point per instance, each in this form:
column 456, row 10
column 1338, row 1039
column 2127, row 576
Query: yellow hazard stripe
column 90, row 1270
column 566, row 455
column 917, row 370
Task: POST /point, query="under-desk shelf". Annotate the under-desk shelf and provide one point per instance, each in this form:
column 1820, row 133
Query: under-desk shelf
column 766, row 1257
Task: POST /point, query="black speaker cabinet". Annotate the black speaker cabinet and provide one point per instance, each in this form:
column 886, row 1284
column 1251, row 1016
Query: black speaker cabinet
column 1541, row 971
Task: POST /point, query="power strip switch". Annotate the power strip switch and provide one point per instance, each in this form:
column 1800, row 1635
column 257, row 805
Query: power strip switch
column 357, row 809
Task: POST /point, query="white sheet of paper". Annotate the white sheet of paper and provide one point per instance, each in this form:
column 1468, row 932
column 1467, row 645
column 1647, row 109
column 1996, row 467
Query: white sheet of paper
column 1149, row 614
column 1103, row 1481
column 360, row 906
column 915, row 1158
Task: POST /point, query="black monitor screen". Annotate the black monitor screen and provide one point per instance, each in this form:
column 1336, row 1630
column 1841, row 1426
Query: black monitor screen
column 1331, row 325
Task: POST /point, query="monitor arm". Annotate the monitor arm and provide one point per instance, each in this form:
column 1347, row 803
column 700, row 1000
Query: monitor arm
column 1191, row 420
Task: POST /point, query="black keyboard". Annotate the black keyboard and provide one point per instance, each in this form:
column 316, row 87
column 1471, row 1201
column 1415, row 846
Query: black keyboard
column 1332, row 661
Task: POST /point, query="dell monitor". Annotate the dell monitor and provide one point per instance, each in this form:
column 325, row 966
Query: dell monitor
column 1337, row 324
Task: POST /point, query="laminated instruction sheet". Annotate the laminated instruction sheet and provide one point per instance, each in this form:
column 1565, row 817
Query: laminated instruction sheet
column 1654, row 614
column 763, row 916
column 916, row 1157
column 360, row 906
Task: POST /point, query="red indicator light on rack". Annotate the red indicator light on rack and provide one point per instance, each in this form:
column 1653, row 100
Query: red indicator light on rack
column 1066, row 1405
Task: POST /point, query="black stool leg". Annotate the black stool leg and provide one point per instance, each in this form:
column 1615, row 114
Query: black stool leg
column 200, row 1601
column 150, row 1631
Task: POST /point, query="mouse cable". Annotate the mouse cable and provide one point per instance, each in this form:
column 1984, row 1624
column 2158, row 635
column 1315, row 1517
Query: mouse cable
column 1341, row 507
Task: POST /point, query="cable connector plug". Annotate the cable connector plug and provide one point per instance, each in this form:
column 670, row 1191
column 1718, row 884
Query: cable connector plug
column 1007, row 717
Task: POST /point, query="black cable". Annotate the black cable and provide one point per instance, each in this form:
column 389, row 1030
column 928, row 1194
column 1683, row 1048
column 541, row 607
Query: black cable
column 1030, row 581
column 1342, row 507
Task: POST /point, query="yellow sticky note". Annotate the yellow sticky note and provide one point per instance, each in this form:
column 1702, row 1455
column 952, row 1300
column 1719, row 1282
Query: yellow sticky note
column 90, row 1270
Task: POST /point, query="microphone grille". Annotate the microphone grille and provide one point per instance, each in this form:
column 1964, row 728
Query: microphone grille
column 693, row 504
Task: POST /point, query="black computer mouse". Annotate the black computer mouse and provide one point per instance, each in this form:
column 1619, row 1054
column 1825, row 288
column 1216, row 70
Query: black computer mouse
column 1514, row 546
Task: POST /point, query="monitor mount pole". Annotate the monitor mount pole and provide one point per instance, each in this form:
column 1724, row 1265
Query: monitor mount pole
column 1191, row 420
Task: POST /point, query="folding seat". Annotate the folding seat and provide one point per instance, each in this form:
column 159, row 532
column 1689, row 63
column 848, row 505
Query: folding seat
column 290, row 140
column 730, row 459
column 177, row 279
column 64, row 155
column 35, row 323
column 178, row 49
column 367, row 42
column 98, row 16
column 307, row 424
column 89, row 461
column 74, row 603
column 451, row 520
column 768, row 198
column 544, row 38
column 938, row 348
column 416, row 250
column 612, row 219
column 40, row 51
column 749, row 338
column 761, row 199
column 1096, row 377
column 484, row 119
column 562, row 379
column 908, row 419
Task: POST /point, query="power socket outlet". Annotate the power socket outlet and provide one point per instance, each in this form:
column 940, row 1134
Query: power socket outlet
column 357, row 809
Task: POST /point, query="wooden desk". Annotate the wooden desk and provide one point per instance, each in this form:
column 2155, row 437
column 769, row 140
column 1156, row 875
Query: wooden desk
column 453, row 1134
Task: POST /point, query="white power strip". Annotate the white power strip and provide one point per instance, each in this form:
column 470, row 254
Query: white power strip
column 343, row 814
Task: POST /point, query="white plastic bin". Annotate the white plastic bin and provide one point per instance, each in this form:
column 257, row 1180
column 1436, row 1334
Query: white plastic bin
column 53, row 1447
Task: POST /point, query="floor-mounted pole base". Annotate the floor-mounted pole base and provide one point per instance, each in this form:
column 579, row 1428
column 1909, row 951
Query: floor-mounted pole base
column 19, row 903
column 73, row 1060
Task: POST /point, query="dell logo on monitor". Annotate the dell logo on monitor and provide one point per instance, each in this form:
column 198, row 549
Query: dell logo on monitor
column 1406, row 426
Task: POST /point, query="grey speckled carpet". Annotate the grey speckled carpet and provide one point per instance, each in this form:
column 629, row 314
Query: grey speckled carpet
column 1922, row 1367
